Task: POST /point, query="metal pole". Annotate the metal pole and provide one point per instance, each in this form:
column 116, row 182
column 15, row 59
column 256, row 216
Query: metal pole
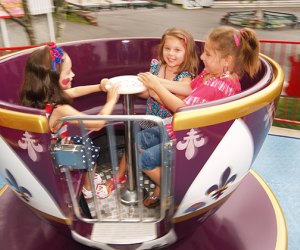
column 51, row 27
column 129, row 194
column 4, row 33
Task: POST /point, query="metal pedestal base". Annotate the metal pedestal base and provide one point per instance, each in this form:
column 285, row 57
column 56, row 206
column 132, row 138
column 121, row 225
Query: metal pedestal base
column 129, row 197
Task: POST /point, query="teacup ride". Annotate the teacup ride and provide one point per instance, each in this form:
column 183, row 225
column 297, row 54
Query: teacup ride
column 204, row 171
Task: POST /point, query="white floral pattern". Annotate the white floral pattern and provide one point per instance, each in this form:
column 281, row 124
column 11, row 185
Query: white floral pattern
column 194, row 139
column 27, row 142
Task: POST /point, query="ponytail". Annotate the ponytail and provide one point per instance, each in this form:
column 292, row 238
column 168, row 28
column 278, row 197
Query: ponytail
column 243, row 45
column 249, row 51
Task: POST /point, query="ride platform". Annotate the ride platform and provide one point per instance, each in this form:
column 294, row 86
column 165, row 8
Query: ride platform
column 250, row 219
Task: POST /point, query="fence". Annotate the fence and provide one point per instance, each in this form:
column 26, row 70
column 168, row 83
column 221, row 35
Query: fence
column 8, row 50
column 287, row 54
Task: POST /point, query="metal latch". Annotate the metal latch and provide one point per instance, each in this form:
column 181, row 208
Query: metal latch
column 69, row 155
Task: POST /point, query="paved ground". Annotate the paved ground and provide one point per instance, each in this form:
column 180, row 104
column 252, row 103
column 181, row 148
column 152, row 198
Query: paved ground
column 145, row 22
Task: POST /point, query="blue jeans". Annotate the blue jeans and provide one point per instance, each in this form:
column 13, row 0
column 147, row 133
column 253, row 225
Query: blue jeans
column 150, row 142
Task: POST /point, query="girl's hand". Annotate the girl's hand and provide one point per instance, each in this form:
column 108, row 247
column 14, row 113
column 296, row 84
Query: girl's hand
column 113, row 93
column 148, row 79
column 154, row 95
column 105, row 85
column 151, row 93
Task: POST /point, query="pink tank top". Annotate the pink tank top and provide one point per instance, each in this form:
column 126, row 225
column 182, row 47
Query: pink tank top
column 204, row 91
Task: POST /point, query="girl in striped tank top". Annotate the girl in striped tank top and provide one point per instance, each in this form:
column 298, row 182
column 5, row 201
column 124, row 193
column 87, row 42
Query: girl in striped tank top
column 47, row 85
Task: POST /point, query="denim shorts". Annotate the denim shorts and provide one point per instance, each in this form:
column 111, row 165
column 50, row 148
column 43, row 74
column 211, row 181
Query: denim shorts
column 150, row 142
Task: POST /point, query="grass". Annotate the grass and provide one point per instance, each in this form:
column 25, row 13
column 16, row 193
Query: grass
column 74, row 17
column 288, row 108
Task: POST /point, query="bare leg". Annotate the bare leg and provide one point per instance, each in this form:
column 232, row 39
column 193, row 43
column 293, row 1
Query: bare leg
column 86, row 181
column 155, row 175
column 154, row 199
column 102, row 189
column 122, row 167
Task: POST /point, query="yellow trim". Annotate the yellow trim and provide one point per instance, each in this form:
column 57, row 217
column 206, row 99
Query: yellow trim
column 200, row 211
column 232, row 110
column 2, row 190
column 23, row 121
column 282, row 234
column 182, row 120
column 67, row 221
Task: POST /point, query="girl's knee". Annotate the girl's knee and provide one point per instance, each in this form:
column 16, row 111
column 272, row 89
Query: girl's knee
column 146, row 161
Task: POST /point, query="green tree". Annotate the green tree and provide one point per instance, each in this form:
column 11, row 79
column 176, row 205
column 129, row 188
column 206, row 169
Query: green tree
column 61, row 16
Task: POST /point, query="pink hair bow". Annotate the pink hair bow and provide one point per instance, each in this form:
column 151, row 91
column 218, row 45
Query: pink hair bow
column 236, row 40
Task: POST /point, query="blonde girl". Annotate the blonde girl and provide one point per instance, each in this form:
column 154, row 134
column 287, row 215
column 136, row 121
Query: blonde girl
column 228, row 54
